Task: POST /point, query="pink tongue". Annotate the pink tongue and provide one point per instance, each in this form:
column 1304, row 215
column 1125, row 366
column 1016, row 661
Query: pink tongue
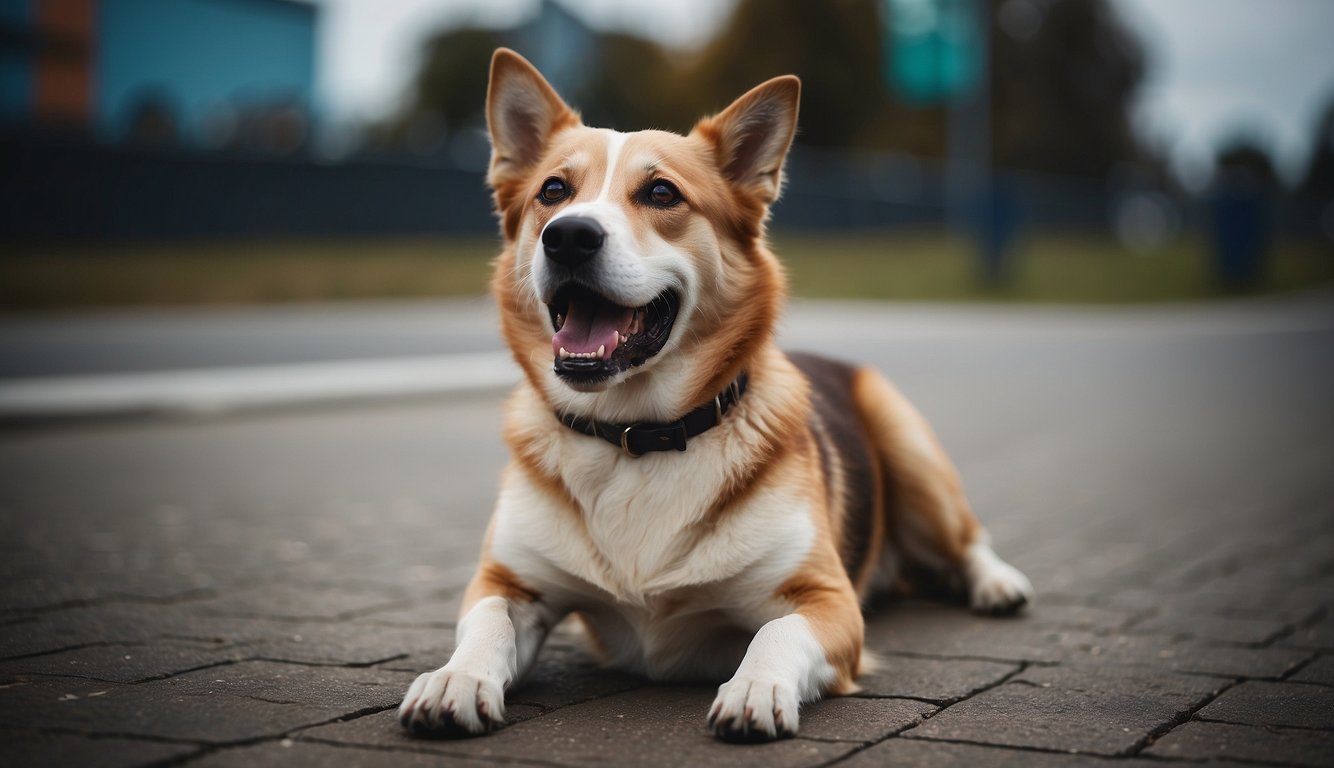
column 587, row 328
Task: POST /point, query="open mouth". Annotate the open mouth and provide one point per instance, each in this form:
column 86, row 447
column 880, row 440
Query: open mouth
column 596, row 338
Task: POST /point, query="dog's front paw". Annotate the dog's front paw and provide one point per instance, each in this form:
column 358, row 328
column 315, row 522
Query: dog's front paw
column 452, row 703
column 994, row 585
column 754, row 709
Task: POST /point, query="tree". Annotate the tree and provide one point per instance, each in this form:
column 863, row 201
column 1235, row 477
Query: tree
column 1063, row 87
column 835, row 47
column 449, row 89
column 1318, row 181
column 635, row 84
column 1063, row 77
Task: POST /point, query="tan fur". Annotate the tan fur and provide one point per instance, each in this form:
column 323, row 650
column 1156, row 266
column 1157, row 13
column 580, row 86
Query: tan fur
column 932, row 523
column 494, row 579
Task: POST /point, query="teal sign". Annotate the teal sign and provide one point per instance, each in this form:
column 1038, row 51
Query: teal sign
column 935, row 48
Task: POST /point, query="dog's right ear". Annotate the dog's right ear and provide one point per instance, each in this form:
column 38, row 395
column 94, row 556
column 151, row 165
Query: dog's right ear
column 522, row 114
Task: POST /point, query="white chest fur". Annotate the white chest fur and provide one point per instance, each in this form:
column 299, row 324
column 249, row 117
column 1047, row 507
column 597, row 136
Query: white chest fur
column 643, row 526
column 645, row 555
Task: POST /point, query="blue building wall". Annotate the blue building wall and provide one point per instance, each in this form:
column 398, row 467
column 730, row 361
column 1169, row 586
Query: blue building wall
column 16, row 64
column 197, row 55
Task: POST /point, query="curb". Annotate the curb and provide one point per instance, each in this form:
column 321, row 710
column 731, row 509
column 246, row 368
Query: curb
column 215, row 391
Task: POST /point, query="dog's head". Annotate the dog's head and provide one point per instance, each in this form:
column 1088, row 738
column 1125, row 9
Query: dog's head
column 634, row 283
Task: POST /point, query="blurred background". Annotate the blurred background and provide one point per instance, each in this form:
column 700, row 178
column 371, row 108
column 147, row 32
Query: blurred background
column 1091, row 240
column 222, row 151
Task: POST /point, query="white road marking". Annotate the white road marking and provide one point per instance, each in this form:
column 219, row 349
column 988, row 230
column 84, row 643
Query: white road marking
column 224, row 390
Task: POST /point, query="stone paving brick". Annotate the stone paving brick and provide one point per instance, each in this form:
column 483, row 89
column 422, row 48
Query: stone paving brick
column 21, row 597
column 221, row 704
column 950, row 631
column 34, row 749
column 1221, row 741
column 438, row 612
column 921, row 753
column 1284, row 602
column 1106, row 712
column 933, row 679
column 287, row 753
column 1079, row 616
column 861, row 720
column 294, row 602
column 124, row 663
column 312, row 642
column 1320, row 672
column 565, row 675
column 416, row 618
column 1181, row 656
column 1289, row 556
column 938, row 631
column 77, row 627
column 383, row 731
column 650, row 727
column 1212, row 629
column 37, row 594
column 1318, row 636
column 1282, row 704
column 348, row 643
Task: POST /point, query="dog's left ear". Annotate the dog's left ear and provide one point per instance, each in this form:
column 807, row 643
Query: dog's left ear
column 751, row 137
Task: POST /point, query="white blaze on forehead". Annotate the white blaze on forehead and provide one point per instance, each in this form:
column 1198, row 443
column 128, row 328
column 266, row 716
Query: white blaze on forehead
column 615, row 143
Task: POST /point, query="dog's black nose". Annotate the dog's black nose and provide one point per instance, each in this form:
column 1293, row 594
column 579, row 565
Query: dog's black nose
column 572, row 240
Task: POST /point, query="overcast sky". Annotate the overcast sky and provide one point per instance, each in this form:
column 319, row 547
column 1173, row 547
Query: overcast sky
column 1218, row 68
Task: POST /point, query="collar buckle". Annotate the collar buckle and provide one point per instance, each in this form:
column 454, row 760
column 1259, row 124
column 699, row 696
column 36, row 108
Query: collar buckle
column 625, row 443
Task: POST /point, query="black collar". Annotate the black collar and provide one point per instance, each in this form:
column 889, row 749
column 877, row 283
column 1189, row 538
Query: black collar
column 639, row 439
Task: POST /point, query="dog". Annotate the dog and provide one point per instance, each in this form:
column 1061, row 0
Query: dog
column 708, row 507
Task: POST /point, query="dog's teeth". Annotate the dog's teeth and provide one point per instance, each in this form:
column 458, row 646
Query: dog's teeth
column 602, row 350
column 563, row 354
column 560, row 320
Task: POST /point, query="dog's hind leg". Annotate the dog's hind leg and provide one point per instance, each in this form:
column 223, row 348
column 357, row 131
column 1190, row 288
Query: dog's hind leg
column 502, row 628
column 929, row 521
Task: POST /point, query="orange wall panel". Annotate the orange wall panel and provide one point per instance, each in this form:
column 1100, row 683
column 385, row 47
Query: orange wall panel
column 64, row 81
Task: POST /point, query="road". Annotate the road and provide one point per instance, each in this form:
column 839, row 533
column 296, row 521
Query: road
column 261, row 585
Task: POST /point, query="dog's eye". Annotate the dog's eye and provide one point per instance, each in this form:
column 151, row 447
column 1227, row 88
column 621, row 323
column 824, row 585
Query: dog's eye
column 662, row 193
column 553, row 191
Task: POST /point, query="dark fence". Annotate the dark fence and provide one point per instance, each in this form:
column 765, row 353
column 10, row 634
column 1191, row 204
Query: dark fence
column 68, row 188
column 72, row 189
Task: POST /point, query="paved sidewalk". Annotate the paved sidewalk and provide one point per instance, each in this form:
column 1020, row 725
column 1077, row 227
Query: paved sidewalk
column 260, row 589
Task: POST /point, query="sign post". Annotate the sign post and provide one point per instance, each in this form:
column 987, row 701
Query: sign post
column 938, row 54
